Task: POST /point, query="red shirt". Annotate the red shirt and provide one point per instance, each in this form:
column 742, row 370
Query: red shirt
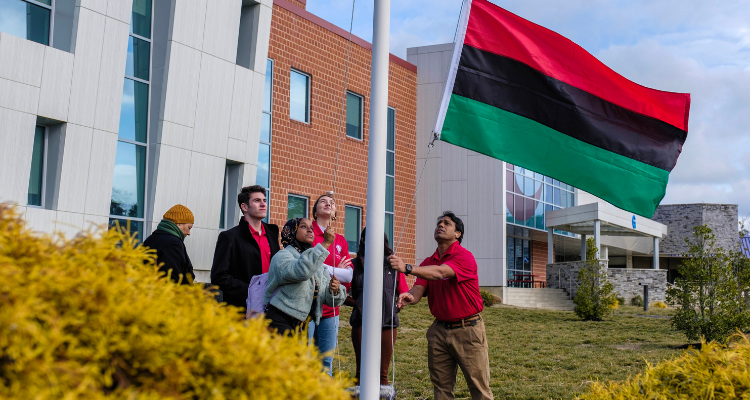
column 338, row 251
column 452, row 299
column 265, row 249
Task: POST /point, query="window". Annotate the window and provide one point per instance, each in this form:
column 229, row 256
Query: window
column 248, row 35
column 38, row 167
column 230, row 212
column 299, row 96
column 530, row 195
column 354, row 115
column 296, row 207
column 129, row 184
column 519, row 261
column 390, row 172
column 263, row 172
column 27, row 19
column 352, row 227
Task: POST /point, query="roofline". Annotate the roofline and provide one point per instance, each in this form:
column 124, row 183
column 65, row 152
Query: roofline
column 335, row 29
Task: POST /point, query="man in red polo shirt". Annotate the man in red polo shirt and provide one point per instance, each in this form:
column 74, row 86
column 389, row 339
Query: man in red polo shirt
column 456, row 338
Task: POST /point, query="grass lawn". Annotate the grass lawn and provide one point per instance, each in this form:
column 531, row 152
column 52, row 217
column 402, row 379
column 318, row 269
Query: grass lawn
column 534, row 354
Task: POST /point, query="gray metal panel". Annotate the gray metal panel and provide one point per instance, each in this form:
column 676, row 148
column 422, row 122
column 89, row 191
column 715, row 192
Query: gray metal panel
column 17, row 139
column 21, row 60
column 75, row 168
column 111, row 73
column 88, row 54
column 221, row 29
column 101, row 167
column 57, row 74
column 214, row 106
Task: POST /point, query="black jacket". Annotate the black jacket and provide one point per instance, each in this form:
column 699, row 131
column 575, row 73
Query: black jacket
column 237, row 260
column 171, row 251
column 390, row 285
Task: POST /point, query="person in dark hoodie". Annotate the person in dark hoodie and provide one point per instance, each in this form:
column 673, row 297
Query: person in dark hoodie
column 393, row 285
column 168, row 241
column 245, row 250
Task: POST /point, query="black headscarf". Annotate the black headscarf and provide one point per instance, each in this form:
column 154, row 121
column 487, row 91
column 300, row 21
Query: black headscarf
column 289, row 236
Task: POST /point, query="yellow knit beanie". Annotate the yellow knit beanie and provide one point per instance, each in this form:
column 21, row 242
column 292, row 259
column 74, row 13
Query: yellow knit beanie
column 180, row 214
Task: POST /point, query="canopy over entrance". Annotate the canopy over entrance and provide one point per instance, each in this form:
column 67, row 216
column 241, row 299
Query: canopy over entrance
column 602, row 219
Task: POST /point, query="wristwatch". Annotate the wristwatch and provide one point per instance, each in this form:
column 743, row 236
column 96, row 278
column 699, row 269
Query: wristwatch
column 409, row 268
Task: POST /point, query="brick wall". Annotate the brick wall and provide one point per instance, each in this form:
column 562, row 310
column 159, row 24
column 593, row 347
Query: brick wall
column 539, row 260
column 303, row 155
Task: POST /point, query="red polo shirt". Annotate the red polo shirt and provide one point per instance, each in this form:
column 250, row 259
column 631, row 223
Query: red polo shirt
column 338, row 251
column 452, row 299
column 265, row 249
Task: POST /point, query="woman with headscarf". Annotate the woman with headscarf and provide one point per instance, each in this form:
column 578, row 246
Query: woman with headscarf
column 393, row 284
column 298, row 284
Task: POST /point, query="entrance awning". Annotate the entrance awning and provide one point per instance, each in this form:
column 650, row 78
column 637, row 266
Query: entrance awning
column 603, row 219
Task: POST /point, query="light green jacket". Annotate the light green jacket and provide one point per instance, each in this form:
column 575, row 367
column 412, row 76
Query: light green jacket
column 294, row 275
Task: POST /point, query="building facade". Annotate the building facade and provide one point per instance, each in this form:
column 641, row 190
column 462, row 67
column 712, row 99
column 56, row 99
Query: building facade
column 117, row 110
column 309, row 83
column 114, row 111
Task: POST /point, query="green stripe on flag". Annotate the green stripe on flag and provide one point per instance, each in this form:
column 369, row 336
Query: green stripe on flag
column 622, row 181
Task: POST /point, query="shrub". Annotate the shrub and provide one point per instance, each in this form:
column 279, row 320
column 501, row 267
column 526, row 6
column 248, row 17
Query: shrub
column 91, row 318
column 620, row 301
column 713, row 372
column 710, row 293
column 658, row 304
column 637, row 301
column 487, row 298
column 595, row 296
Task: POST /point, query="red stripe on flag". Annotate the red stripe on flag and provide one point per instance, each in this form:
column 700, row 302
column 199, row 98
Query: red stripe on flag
column 499, row 31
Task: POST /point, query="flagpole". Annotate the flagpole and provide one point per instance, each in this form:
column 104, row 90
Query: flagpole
column 372, row 318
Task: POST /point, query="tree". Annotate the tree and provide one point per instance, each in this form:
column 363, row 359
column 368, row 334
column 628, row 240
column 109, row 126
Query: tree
column 595, row 297
column 711, row 291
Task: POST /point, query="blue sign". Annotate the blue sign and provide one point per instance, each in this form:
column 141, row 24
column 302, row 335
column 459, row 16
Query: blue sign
column 633, row 221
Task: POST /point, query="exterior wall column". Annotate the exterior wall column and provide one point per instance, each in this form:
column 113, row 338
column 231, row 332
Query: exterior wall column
column 550, row 247
column 597, row 237
column 583, row 247
column 656, row 253
column 605, row 253
column 629, row 260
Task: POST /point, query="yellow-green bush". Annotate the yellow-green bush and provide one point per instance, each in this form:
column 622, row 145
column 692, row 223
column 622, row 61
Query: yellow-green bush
column 90, row 318
column 659, row 304
column 713, row 372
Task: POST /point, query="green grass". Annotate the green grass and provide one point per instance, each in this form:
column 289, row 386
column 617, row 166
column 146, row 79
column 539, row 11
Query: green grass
column 534, row 354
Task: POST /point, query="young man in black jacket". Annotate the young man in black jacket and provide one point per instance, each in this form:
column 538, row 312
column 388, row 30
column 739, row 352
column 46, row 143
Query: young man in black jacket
column 245, row 250
column 168, row 241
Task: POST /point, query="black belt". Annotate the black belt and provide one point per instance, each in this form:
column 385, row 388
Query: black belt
column 468, row 321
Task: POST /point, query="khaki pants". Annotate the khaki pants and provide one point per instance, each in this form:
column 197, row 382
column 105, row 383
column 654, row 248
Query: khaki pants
column 466, row 347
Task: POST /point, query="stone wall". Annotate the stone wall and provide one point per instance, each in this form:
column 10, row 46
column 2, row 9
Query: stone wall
column 682, row 218
column 627, row 282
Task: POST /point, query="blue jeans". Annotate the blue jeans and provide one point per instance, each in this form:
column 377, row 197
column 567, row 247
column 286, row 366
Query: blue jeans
column 324, row 336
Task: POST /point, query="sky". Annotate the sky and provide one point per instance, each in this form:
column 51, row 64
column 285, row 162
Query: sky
column 698, row 47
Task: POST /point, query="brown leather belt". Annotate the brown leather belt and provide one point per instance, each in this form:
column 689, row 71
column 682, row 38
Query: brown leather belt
column 468, row 321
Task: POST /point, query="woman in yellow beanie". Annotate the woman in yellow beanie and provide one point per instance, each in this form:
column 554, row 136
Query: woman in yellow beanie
column 168, row 241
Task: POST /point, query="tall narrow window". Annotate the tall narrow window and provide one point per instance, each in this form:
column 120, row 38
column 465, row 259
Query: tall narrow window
column 354, row 115
column 297, row 206
column 38, row 167
column 390, row 175
column 352, row 227
column 263, row 174
column 128, row 203
column 223, row 216
column 299, row 96
column 28, row 19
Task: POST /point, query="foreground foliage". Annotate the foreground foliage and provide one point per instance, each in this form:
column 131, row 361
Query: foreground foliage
column 90, row 318
column 595, row 296
column 711, row 292
column 713, row 372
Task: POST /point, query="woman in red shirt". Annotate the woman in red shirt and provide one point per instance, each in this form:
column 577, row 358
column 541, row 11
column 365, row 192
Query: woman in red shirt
column 325, row 333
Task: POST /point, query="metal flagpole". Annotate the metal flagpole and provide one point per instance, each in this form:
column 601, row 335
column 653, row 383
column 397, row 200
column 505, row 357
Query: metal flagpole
column 372, row 313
